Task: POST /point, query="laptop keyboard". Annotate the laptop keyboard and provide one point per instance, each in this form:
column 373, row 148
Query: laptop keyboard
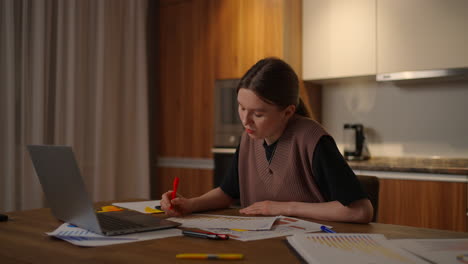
column 113, row 223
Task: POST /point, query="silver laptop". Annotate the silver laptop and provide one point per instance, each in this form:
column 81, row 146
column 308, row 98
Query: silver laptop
column 66, row 194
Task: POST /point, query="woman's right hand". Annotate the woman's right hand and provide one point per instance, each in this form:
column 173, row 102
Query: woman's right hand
column 180, row 206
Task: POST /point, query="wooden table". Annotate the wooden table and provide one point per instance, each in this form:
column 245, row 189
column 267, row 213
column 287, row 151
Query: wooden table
column 22, row 240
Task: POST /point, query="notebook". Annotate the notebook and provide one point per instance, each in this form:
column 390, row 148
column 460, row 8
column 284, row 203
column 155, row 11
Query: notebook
column 65, row 191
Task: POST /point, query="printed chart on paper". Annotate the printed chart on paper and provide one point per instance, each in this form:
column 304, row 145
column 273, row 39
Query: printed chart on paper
column 350, row 248
column 225, row 221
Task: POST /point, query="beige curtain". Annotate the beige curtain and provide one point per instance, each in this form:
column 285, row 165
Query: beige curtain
column 74, row 73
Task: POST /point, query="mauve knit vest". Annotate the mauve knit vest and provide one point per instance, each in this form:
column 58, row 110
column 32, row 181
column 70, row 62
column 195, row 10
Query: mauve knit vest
column 289, row 176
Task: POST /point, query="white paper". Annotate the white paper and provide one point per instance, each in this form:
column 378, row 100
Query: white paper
column 81, row 237
column 203, row 221
column 437, row 250
column 139, row 206
column 350, row 249
column 284, row 226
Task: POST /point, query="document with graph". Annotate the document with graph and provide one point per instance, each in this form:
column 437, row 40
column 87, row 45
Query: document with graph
column 350, row 249
column 225, row 221
column 284, row 226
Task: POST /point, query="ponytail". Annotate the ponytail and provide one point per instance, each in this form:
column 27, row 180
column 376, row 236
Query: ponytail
column 301, row 109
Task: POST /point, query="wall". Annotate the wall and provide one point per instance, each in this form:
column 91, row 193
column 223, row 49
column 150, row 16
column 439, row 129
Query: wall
column 419, row 119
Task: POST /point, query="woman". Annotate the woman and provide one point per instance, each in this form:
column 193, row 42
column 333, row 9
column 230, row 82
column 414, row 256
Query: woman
column 286, row 163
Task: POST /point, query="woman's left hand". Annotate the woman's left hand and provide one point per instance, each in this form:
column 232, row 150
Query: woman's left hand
column 266, row 208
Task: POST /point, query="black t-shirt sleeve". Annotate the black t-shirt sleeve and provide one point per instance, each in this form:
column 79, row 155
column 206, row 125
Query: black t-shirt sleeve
column 230, row 183
column 334, row 177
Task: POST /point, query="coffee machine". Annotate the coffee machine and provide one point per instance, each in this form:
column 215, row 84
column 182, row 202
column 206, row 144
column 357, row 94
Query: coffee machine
column 354, row 142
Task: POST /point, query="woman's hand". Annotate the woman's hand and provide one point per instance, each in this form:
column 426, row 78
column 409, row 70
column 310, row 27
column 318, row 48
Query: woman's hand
column 214, row 199
column 359, row 211
column 180, row 205
column 266, row 208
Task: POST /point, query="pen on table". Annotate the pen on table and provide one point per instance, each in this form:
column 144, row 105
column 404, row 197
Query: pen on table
column 174, row 190
column 205, row 235
column 209, row 256
column 326, row 229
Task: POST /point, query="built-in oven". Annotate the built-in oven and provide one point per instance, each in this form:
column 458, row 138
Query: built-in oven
column 227, row 125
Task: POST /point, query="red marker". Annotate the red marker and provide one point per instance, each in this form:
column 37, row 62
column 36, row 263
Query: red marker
column 174, row 189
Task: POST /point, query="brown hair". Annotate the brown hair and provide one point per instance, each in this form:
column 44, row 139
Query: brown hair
column 275, row 82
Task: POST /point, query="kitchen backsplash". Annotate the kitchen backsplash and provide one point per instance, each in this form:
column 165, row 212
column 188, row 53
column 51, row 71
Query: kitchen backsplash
column 418, row 119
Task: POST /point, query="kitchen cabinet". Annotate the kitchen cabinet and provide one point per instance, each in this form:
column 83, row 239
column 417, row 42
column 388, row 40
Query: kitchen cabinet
column 247, row 31
column 422, row 200
column 339, row 38
column 182, row 94
column 183, row 103
column 199, row 41
column 421, row 34
column 368, row 37
column 431, row 204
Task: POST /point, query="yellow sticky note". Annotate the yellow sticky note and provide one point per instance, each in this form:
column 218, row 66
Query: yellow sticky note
column 239, row 230
column 110, row 208
column 153, row 210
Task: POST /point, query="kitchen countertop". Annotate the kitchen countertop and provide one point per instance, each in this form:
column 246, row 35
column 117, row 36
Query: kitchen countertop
column 418, row 165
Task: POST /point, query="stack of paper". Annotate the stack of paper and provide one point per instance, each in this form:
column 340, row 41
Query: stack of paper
column 225, row 221
column 349, row 248
column 283, row 226
column 85, row 238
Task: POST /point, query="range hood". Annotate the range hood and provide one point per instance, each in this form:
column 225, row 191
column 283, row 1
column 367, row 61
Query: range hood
column 452, row 73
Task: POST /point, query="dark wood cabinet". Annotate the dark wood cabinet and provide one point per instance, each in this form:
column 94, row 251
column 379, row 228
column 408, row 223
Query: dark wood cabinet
column 431, row 204
column 200, row 41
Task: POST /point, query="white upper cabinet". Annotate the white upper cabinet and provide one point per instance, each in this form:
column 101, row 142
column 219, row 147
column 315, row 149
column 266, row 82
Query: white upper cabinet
column 339, row 38
column 421, row 35
column 346, row 38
